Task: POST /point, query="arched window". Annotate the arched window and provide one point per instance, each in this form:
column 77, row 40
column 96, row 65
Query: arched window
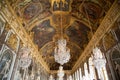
column 78, row 75
column 73, row 76
column 92, row 69
column 6, row 64
column 80, row 72
column 69, row 77
column 86, row 72
column 116, row 62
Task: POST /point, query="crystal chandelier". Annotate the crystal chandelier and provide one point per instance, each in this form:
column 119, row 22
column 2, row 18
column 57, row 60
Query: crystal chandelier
column 62, row 53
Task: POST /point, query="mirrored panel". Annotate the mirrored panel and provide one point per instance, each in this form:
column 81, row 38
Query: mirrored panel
column 5, row 64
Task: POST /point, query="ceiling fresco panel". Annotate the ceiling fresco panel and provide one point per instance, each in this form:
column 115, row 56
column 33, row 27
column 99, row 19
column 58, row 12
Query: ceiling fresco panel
column 43, row 33
column 30, row 11
column 91, row 10
column 78, row 33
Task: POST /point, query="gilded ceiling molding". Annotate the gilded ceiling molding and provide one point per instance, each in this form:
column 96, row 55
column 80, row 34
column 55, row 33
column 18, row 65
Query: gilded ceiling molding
column 84, row 22
column 106, row 24
column 16, row 25
column 37, row 22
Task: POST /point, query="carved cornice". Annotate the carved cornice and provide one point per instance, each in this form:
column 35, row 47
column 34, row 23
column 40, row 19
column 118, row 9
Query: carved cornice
column 106, row 24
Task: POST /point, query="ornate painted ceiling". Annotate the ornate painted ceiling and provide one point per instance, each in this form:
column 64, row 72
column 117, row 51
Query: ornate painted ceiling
column 42, row 20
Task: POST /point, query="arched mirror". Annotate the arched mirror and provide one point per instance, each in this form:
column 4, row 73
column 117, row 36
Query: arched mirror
column 115, row 57
column 5, row 64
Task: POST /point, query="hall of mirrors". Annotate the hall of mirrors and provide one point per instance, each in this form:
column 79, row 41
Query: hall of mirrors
column 30, row 31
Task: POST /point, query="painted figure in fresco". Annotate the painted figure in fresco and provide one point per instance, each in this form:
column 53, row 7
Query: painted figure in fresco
column 117, row 68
